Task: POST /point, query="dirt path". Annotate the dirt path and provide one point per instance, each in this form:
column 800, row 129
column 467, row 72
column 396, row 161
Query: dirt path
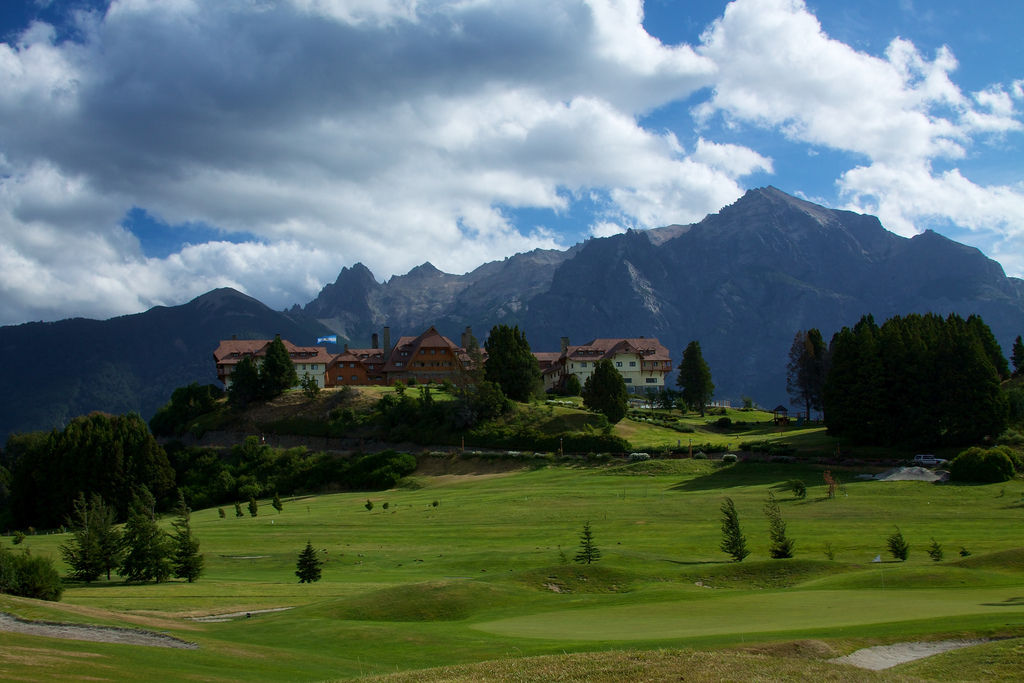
column 214, row 618
column 886, row 656
column 99, row 634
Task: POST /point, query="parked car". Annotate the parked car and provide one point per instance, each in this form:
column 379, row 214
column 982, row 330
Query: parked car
column 927, row 461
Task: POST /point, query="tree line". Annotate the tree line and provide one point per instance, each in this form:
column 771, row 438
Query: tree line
column 916, row 380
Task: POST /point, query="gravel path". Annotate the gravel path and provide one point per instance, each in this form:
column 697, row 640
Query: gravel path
column 215, row 618
column 886, row 656
column 99, row 634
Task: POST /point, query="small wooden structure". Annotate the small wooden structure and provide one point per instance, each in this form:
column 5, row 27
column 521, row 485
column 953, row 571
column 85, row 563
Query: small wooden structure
column 781, row 415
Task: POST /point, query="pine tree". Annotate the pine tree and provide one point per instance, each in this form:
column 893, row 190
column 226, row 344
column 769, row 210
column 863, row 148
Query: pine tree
column 898, row 547
column 277, row 503
column 253, row 506
column 148, row 550
column 694, row 379
column 510, row 363
column 246, row 386
column 277, row 373
column 734, row 542
column 238, row 510
column 589, row 552
column 1017, row 356
column 780, row 546
column 187, row 562
column 308, row 568
column 82, row 553
column 605, row 392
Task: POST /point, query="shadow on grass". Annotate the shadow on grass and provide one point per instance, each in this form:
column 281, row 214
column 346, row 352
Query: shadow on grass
column 750, row 474
column 1008, row 602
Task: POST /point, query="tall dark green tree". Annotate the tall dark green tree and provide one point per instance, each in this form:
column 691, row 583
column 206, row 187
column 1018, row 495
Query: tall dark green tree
column 83, row 552
column 991, row 347
column 510, row 363
column 308, row 568
column 605, row 392
column 246, row 385
column 147, row 549
column 694, row 379
column 805, row 372
column 277, row 373
column 1017, row 356
column 107, row 455
column 278, row 505
column 187, row 561
column 780, row 546
column 588, row 552
column 734, row 543
column 186, row 404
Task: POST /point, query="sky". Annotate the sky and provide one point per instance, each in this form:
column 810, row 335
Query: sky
column 153, row 150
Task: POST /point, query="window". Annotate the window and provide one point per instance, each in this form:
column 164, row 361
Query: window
column 432, row 352
column 355, row 378
column 422, row 352
column 618, row 363
column 351, row 365
column 303, row 367
column 651, row 380
column 628, row 380
column 583, row 365
column 444, row 351
column 632, row 363
column 399, row 363
column 313, row 366
column 654, row 363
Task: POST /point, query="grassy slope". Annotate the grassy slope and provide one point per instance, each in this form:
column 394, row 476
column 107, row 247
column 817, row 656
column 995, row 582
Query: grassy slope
column 475, row 578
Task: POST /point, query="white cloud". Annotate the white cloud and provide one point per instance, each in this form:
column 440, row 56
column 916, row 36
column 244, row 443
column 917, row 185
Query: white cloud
column 334, row 131
column 777, row 69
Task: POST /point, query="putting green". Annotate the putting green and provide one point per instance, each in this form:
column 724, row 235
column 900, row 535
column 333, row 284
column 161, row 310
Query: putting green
column 757, row 613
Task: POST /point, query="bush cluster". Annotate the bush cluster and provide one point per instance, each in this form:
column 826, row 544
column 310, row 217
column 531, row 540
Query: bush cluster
column 983, row 466
column 28, row 576
column 768, row 447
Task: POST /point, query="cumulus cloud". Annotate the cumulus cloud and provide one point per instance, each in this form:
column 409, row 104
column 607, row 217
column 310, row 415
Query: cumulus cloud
column 901, row 113
column 339, row 130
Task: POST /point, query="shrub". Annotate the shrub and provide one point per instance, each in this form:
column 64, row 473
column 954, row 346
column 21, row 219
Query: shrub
column 386, row 505
column 639, row 457
column 729, row 457
column 981, row 466
column 935, row 551
column 699, row 456
column 29, row 577
column 723, row 422
column 898, row 547
column 798, row 488
column 369, row 504
column 964, row 552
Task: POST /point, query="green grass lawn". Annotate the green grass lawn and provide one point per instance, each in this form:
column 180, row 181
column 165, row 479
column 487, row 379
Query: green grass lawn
column 479, row 576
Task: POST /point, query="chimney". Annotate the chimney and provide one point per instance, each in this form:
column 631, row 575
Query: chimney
column 346, row 347
column 565, row 345
column 387, row 341
column 234, row 337
column 466, row 336
column 374, row 341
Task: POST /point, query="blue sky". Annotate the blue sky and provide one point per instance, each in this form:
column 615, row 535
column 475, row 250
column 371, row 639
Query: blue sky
column 151, row 150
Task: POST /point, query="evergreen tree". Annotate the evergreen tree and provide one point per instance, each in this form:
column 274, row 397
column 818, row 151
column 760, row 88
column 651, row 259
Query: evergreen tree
column 82, row 553
column 253, row 506
column 780, row 547
column 277, row 373
column 187, row 562
column 991, row 347
column 588, row 552
column 898, row 547
column 694, row 379
column 238, row 510
column 277, row 503
column 147, row 549
column 510, row 363
column 734, row 543
column 605, row 392
column 1017, row 356
column 246, row 385
column 308, row 567
column 95, row 547
column 805, row 372
column 572, row 385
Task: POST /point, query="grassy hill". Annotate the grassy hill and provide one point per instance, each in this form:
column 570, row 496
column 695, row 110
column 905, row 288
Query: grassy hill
column 476, row 585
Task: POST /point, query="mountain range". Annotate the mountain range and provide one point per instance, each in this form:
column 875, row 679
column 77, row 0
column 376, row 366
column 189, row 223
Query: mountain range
column 741, row 281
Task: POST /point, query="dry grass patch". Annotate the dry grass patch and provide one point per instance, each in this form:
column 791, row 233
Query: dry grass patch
column 640, row 667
